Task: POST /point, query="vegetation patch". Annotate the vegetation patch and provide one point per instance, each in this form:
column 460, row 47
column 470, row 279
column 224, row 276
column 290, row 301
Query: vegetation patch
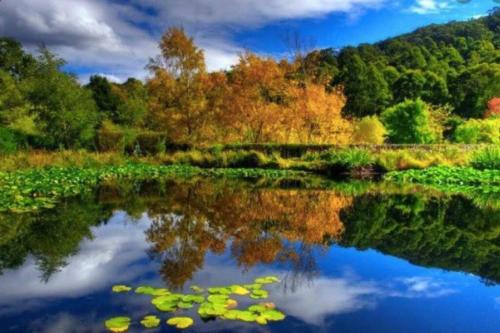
column 212, row 302
column 444, row 175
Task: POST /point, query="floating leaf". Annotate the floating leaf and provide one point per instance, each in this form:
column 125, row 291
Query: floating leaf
column 218, row 298
column 121, row 289
column 253, row 286
column 197, row 289
column 118, row 324
column 193, row 299
column 273, row 315
column 208, row 309
column 261, row 320
column 219, row 290
column 150, row 322
column 267, row 280
column 259, row 294
column 180, row 322
column 246, row 316
column 239, row 290
column 231, row 304
column 184, row 305
column 148, row 290
column 167, row 303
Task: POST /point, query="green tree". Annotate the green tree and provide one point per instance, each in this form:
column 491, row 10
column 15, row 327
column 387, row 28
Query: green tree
column 105, row 99
column 365, row 87
column 409, row 122
column 14, row 60
column 66, row 113
column 474, row 88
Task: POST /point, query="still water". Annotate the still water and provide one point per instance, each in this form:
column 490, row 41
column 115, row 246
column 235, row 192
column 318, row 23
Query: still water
column 351, row 258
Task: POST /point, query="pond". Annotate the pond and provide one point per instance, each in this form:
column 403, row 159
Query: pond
column 352, row 257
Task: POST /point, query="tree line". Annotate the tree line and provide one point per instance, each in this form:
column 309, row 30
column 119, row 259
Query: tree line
column 441, row 82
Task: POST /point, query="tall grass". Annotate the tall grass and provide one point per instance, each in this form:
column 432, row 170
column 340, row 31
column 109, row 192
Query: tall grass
column 487, row 158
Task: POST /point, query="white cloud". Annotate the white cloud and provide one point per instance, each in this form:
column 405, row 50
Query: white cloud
column 429, row 6
column 118, row 39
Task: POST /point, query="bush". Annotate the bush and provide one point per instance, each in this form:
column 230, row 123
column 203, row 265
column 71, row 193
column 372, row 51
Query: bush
column 151, row 142
column 369, row 130
column 487, row 158
column 476, row 131
column 409, row 122
column 8, row 141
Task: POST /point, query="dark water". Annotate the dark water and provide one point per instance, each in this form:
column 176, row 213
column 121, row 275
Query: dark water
column 351, row 258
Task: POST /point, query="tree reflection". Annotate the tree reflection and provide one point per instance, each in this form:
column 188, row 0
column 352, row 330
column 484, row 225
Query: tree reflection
column 260, row 226
column 449, row 232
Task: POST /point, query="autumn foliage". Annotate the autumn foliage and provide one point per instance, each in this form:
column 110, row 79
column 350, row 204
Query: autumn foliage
column 493, row 108
column 258, row 100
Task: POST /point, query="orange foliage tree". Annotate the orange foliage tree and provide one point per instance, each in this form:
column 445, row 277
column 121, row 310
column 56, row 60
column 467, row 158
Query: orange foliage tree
column 258, row 100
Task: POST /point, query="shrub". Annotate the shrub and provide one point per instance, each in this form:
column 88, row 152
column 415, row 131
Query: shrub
column 486, row 158
column 409, row 122
column 479, row 131
column 369, row 130
column 8, row 141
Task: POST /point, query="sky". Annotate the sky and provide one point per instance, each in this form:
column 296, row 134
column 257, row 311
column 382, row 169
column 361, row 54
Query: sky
column 116, row 38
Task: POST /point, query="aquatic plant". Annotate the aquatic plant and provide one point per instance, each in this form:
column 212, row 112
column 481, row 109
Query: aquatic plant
column 121, row 289
column 217, row 304
column 150, row 321
column 180, row 322
column 118, row 324
column 447, row 175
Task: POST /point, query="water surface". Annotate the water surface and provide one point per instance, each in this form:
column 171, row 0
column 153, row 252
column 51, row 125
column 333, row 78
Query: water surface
column 351, row 258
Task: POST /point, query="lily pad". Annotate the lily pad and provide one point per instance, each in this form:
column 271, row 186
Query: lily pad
column 246, row 316
column 208, row 309
column 253, row 286
column 180, row 322
column 259, row 294
column 150, row 322
column 167, row 303
column 184, row 305
column 197, row 289
column 218, row 298
column 273, row 315
column 267, row 280
column 121, row 288
column 239, row 290
column 118, row 324
column 193, row 299
column 148, row 290
column 219, row 290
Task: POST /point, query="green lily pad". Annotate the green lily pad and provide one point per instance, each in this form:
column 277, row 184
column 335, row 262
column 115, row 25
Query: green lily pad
column 273, row 315
column 208, row 309
column 118, row 324
column 259, row 294
column 261, row 320
column 121, row 289
column 253, row 286
column 218, row 298
column 150, row 322
column 148, row 290
column 184, row 305
column 180, row 322
column 197, row 289
column 193, row 299
column 167, row 303
column 219, row 290
column 239, row 290
column 257, row 308
column 267, row 280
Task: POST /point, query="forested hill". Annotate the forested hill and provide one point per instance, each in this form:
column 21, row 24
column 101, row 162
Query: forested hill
column 456, row 63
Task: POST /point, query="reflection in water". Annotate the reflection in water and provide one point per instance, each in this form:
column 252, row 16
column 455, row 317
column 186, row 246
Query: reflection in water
column 218, row 233
column 263, row 226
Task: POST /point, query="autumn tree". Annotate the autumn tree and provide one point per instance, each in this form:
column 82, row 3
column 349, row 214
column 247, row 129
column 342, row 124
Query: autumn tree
column 177, row 98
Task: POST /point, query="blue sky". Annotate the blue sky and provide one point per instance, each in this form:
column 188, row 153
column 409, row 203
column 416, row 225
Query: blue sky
column 117, row 37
